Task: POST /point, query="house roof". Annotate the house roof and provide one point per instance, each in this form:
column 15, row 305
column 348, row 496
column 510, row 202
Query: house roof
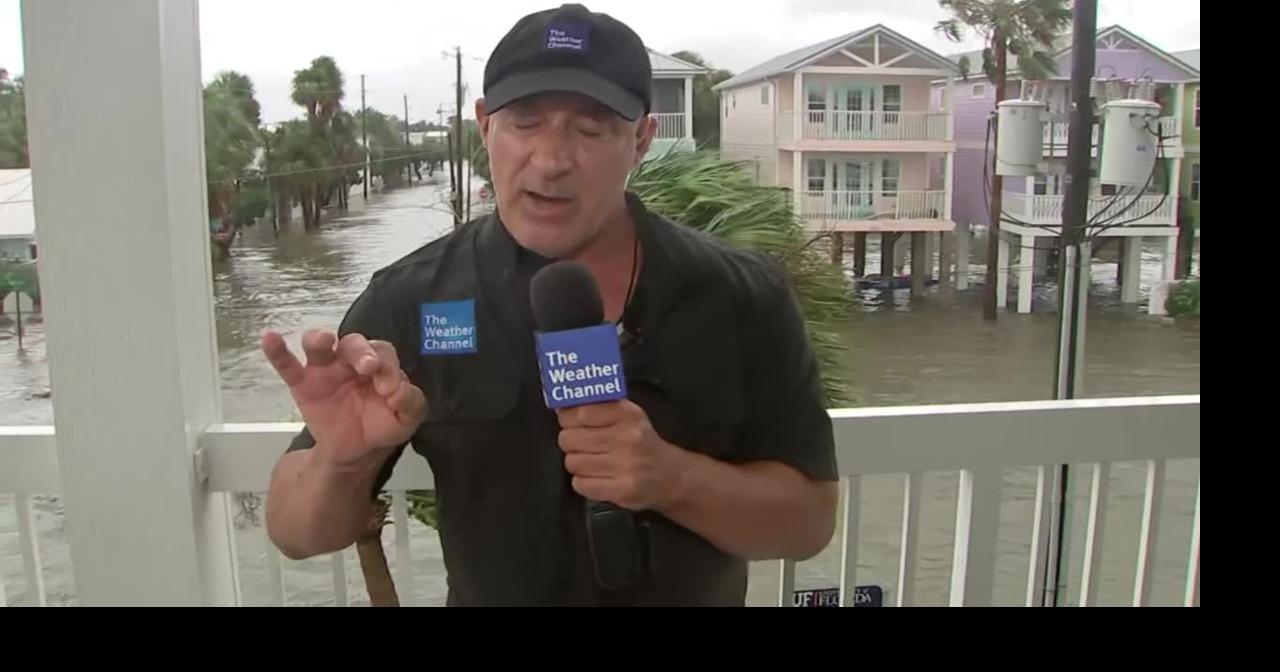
column 792, row 60
column 17, row 217
column 662, row 64
column 1191, row 57
column 1062, row 45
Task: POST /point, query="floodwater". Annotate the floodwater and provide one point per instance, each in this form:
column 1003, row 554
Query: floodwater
column 933, row 350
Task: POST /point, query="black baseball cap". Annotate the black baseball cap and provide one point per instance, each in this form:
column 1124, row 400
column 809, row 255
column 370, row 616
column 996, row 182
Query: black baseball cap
column 574, row 50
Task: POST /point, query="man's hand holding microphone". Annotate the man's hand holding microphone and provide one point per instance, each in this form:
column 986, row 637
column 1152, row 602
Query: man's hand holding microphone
column 360, row 407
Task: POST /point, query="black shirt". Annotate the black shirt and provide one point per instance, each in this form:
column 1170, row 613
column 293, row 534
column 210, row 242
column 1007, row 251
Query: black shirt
column 715, row 351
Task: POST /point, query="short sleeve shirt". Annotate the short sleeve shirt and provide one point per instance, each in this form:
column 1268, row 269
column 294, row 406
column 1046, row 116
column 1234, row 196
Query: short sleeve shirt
column 714, row 349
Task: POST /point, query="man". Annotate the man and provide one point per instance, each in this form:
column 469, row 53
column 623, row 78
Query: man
column 723, row 453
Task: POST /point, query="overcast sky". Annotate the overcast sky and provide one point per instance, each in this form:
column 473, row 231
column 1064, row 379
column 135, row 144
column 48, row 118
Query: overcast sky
column 399, row 44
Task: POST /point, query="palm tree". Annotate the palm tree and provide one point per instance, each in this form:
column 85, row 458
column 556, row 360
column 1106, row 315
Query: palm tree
column 1026, row 29
column 231, row 143
column 13, row 123
column 318, row 90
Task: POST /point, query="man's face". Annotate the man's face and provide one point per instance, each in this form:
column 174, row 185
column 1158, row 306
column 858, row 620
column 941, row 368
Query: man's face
column 559, row 164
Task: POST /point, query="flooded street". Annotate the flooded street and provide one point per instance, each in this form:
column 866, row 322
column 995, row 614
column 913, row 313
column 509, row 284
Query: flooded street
column 936, row 350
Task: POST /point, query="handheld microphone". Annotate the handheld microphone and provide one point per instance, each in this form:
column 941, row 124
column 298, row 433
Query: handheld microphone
column 581, row 363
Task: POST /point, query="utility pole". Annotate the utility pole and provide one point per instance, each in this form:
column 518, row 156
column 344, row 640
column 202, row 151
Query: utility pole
column 364, row 136
column 470, row 169
column 408, row 170
column 457, row 204
column 1073, row 272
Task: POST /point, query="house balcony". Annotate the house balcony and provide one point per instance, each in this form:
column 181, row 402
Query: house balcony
column 1056, row 130
column 867, row 211
column 1145, row 215
column 866, row 131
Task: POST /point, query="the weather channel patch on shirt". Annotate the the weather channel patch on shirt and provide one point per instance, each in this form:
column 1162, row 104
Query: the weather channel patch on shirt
column 449, row 328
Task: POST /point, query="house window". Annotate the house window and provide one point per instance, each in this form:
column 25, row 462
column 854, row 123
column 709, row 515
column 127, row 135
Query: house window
column 764, row 95
column 1195, row 167
column 1041, row 185
column 890, row 171
column 1197, row 110
column 892, row 98
column 979, row 90
column 817, row 100
column 817, row 175
column 1107, row 190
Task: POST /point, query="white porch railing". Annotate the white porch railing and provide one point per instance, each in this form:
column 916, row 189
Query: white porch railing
column 872, row 205
column 901, row 126
column 1148, row 210
column 978, row 440
column 670, row 125
column 1056, row 132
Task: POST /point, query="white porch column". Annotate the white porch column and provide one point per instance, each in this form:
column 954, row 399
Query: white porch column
column 1002, row 273
column 115, row 112
column 1132, row 270
column 688, row 108
column 797, row 180
column 801, row 105
column 962, row 255
column 1026, row 273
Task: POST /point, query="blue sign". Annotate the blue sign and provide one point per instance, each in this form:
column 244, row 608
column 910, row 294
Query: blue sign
column 581, row 366
column 448, row 328
column 863, row 596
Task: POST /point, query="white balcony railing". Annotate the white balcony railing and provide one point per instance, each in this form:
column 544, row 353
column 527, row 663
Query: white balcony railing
column 670, row 125
column 900, row 126
column 1056, row 133
column 872, row 205
column 1146, row 210
column 910, row 441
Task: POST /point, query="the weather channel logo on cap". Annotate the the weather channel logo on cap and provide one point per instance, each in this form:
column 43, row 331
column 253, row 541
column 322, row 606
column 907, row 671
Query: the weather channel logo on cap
column 449, row 328
column 568, row 36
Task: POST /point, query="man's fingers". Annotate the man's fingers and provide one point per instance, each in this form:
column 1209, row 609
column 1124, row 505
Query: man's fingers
column 286, row 365
column 356, row 352
column 388, row 376
column 588, row 465
column 593, row 415
column 407, row 402
column 318, row 344
column 596, row 489
column 585, row 440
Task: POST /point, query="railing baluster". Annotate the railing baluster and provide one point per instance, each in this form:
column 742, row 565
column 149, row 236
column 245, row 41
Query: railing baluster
column 404, row 569
column 275, row 574
column 338, row 562
column 1093, row 534
column 1191, row 598
column 910, row 535
column 786, row 583
column 30, row 551
column 1039, row 537
column 1151, row 503
column 852, row 487
column 977, row 522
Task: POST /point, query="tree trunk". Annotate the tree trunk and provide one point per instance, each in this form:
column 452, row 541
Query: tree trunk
column 997, row 188
column 1186, row 245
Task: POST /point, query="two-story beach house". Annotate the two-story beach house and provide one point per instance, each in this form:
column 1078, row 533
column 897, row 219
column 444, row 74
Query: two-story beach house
column 1126, row 64
column 672, row 102
column 848, row 126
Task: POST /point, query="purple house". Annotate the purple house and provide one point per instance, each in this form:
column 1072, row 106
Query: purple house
column 1129, row 63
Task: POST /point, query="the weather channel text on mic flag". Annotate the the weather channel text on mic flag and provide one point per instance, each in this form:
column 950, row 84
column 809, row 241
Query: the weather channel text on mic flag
column 581, row 366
